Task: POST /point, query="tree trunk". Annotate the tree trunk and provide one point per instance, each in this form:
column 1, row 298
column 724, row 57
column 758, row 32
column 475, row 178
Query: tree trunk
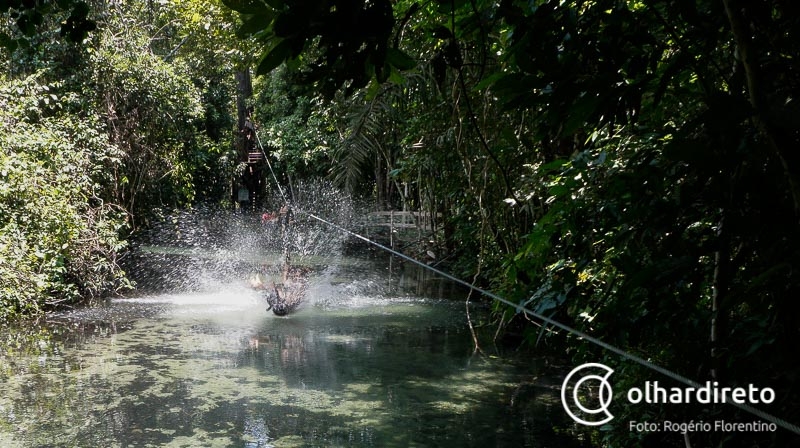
column 718, row 296
column 762, row 119
column 244, row 90
column 380, row 183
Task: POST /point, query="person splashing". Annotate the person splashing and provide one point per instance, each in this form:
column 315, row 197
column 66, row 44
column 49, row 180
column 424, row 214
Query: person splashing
column 287, row 295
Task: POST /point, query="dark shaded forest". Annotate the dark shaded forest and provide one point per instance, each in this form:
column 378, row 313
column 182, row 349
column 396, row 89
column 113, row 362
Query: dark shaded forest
column 629, row 168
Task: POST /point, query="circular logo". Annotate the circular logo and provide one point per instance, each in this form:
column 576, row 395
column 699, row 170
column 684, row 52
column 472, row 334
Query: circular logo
column 591, row 387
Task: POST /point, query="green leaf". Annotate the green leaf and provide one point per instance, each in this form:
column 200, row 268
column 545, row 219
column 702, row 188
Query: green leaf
column 253, row 24
column 278, row 54
column 396, row 77
column 554, row 165
column 488, row 81
column 372, row 91
column 399, row 59
column 277, row 4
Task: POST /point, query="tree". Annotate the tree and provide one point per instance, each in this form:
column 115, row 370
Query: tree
column 295, row 126
column 153, row 113
column 99, row 134
column 353, row 37
column 59, row 238
column 27, row 18
column 608, row 158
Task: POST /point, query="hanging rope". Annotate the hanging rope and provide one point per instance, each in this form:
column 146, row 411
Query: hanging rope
column 522, row 309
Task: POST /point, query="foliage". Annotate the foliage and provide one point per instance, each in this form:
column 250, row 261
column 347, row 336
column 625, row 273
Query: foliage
column 28, row 16
column 98, row 135
column 294, row 125
column 58, row 238
column 629, row 168
column 199, row 37
column 153, row 114
column 353, row 35
column 656, row 218
column 626, row 167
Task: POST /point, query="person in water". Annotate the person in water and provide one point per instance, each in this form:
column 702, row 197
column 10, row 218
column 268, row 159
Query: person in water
column 286, row 296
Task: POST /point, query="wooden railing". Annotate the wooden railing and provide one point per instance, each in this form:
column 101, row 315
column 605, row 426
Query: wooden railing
column 399, row 220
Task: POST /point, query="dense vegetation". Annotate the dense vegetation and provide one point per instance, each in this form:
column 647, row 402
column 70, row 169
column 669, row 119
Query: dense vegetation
column 629, row 168
column 98, row 132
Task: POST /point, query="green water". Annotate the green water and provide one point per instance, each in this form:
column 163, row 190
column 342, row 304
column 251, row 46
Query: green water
column 359, row 366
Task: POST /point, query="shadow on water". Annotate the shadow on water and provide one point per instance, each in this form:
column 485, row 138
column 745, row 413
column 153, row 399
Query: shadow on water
column 376, row 358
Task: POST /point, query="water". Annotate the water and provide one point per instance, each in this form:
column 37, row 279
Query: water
column 376, row 356
column 364, row 366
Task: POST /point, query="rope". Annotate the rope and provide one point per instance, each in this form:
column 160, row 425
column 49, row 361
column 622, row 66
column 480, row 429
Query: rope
column 522, row 309
column 264, row 153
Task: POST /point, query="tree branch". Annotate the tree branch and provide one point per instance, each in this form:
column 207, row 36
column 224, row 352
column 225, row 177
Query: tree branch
column 761, row 117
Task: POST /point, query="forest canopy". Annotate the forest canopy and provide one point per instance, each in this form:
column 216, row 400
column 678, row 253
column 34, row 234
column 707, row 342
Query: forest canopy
column 629, row 168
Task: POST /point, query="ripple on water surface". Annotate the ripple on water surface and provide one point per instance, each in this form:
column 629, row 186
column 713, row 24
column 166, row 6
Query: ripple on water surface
column 213, row 368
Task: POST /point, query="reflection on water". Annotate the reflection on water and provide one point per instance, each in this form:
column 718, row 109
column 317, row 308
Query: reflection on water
column 358, row 366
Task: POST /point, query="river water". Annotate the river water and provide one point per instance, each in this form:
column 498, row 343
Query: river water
column 374, row 359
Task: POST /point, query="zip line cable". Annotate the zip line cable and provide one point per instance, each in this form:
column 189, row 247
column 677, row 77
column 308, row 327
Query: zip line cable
column 757, row 412
column 522, row 309
column 264, row 153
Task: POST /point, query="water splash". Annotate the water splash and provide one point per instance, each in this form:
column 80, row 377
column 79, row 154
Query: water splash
column 205, row 248
column 307, row 237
